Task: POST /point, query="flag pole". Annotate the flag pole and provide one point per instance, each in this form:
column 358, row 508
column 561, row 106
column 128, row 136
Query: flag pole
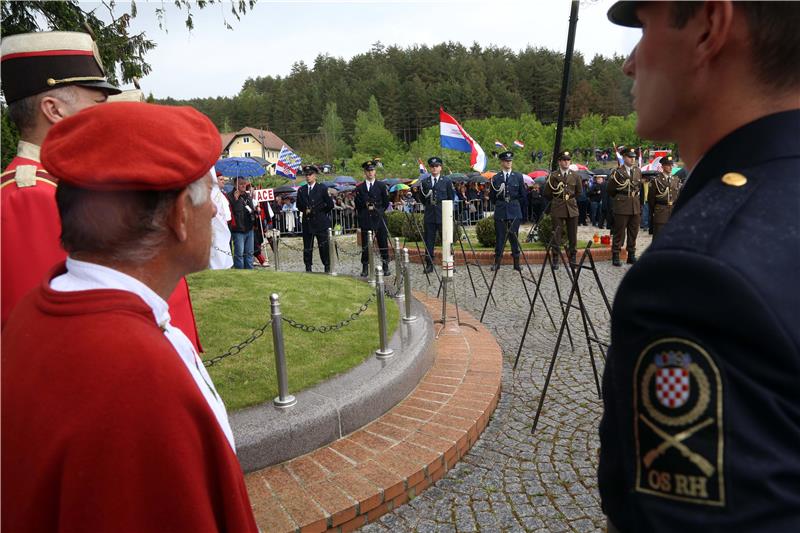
column 562, row 104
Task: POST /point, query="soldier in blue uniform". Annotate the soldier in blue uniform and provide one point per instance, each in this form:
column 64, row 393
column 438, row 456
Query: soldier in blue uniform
column 315, row 203
column 372, row 199
column 701, row 427
column 508, row 192
column 434, row 189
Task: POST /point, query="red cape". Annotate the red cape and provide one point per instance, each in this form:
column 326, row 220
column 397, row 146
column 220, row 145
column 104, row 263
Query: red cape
column 30, row 237
column 104, row 428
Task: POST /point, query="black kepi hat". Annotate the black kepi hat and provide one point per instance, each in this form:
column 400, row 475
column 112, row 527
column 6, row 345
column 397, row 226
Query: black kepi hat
column 565, row 155
column 434, row 161
column 368, row 165
column 624, row 14
column 310, row 169
column 667, row 160
column 36, row 62
column 629, row 152
column 508, row 155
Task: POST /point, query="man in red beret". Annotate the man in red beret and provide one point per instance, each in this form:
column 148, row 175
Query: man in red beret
column 110, row 421
column 48, row 76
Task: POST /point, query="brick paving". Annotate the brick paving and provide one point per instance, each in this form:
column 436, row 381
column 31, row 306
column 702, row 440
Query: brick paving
column 511, row 480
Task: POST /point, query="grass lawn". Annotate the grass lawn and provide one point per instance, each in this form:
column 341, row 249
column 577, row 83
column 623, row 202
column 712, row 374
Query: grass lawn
column 230, row 304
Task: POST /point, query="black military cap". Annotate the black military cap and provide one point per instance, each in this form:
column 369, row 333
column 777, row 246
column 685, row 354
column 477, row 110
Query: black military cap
column 368, row 165
column 566, row 154
column 310, row 169
column 629, row 152
column 624, row 14
column 508, row 155
column 667, row 160
column 36, row 62
column 432, row 161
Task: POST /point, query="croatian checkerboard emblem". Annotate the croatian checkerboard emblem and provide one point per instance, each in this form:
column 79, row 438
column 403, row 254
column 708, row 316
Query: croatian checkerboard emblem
column 678, row 423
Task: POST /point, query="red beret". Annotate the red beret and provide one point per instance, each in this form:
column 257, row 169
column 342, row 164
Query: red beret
column 132, row 146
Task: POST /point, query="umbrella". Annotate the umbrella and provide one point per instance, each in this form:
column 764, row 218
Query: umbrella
column 578, row 166
column 345, row 179
column 414, row 182
column 457, row 177
column 391, row 181
column 478, row 179
column 540, row 180
column 585, row 174
column 239, row 167
column 329, row 183
column 537, row 173
column 345, row 188
column 489, row 174
column 285, row 189
column 398, row 187
column 528, row 179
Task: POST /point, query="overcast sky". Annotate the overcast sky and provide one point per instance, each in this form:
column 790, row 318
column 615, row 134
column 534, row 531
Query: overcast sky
column 213, row 61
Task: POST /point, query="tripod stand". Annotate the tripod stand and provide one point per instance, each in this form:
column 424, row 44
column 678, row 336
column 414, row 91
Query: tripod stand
column 462, row 234
column 574, row 271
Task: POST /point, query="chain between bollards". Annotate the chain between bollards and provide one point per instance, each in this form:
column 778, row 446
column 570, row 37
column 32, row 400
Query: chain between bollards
column 371, row 257
column 384, row 351
column 332, row 253
column 407, row 287
column 284, row 399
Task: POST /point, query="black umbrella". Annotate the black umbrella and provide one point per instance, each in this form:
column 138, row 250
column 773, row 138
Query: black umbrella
column 285, row 189
column 457, row 177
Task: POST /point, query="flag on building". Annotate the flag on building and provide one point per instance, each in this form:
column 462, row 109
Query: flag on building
column 453, row 136
column 519, row 144
column 422, row 169
column 498, row 144
column 288, row 164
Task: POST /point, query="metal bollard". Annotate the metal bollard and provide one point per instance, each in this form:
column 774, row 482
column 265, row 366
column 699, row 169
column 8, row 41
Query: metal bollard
column 284, row 399
column 407, row 287
column 276, row 243
column 398, row 254
column 371, row 256
column 332, row 252
column 384, row 351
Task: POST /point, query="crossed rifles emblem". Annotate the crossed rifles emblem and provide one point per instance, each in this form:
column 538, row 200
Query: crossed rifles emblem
column 671, row 373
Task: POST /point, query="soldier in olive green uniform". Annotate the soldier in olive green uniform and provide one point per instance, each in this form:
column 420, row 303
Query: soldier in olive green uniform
column 625, row 187
column 562, row 188
column 664, row 191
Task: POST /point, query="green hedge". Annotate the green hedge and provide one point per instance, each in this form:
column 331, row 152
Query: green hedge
column 485, row 232
column 545, row 229
column 401, row 226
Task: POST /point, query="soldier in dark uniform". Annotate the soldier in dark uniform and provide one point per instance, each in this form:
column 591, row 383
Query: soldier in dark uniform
column 624, row 187
column 562, row 188
column 508, row 192
column 434, row 189
column 664, row 190
column 701, row 424
column 315, row 204
column 372, row 199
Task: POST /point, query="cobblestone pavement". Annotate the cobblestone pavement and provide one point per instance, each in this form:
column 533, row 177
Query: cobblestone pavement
column 512, row 480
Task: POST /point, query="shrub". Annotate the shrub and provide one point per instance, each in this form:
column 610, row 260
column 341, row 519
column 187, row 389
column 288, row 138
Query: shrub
column 545, row 229
column 484, row 230
column 412, row 231
column 396, row 221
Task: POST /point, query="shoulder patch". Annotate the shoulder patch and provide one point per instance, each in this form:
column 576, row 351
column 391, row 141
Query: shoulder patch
column 678, row 423
column 25, row 176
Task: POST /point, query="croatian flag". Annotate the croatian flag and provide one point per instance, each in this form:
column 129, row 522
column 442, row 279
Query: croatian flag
column 519, row 144
column 422, row 169
column 619, row 155
column 454, row 137
column 498, row 144
column 288, row 164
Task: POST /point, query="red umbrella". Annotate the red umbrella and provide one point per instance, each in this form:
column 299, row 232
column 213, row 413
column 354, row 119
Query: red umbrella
column 538, row 173
column 578, row 166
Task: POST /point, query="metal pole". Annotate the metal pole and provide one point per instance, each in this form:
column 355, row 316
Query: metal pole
column 562, row 103
column 276, row 242
column 398, row 252
column 332, row 252
column 407, row 287
column 371, row 256
column 384, row 351
column 284, row 399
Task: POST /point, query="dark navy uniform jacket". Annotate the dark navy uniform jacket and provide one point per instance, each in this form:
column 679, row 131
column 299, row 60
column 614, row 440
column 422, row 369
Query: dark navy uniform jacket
column 509, row 204
column 320, row 203
column 378, row 195
column 701, row 429
column 433, row 203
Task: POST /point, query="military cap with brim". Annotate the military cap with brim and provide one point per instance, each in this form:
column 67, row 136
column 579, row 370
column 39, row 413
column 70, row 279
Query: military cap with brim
column 368, row 165
column 310, row 169
column 624, row 14
column 629, row 152
column 120, row 147
column 565, row 155
column 667, row 160
column 36, row 62
column 434, row 161
column 506, row 156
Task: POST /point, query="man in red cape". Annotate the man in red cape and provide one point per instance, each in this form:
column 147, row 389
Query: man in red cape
column 47, row 77
column 109, row 420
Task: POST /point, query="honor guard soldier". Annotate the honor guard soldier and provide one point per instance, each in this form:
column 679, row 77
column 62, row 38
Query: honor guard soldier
column 434, row 189
column 372, row 200
column 507, row 191
column 315, row 203
column 701, row 420
column 664, row 191
column 562, row 189
column 47, row 77
column 624, row 186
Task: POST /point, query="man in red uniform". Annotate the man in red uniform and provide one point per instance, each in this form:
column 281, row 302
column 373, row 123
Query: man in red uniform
column 109, row 419
column 47, row 77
